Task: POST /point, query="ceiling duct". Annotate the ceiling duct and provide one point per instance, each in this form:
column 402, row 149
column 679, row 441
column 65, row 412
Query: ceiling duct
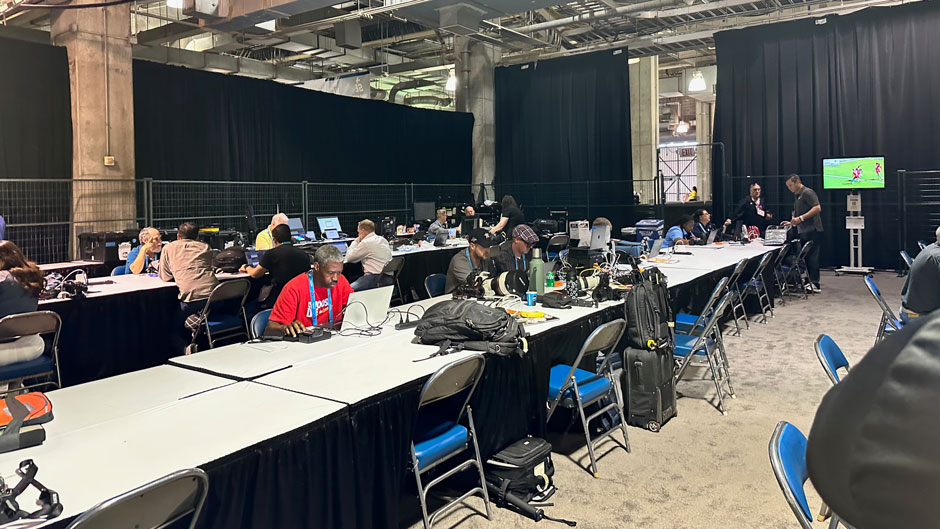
column 406, row 85
column 461, row 19
column 348, row 34
column 429, row 100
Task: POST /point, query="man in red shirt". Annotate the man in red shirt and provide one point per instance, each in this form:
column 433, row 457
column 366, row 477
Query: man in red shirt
column 292, row 311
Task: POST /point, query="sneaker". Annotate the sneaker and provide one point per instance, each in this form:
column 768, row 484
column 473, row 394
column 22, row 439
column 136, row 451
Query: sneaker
column 814, row 288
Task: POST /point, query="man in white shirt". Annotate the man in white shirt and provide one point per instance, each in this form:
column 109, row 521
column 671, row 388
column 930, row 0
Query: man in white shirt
column 372, row 251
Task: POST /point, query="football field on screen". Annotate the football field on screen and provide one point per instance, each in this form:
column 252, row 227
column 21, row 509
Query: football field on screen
column 837, row 173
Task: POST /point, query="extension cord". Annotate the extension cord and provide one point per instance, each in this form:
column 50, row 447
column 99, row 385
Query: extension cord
column 406, row 325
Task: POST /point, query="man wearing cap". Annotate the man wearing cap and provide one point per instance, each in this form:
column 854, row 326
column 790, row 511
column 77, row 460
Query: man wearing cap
column 475, row 258
column 514, row 253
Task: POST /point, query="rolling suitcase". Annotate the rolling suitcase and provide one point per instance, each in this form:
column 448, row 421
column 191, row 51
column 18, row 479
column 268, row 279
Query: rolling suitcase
column 651, row 387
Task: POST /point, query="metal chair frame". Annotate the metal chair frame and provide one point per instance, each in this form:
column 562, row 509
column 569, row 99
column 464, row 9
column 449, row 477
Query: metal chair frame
column 799, row 273
column 221, row 293
column 824, row 359
column 758, row 286
column 101, row 516
column 603, row 339
column 391, row 270
column 29, row 323
column 430, row 393
column 266, row 314
column 889, row 322
column 715, row 356
column 559, row 241
column 780, row 280
column 737, row 299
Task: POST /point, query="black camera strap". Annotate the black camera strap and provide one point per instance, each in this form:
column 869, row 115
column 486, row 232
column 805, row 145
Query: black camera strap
column 48, row 499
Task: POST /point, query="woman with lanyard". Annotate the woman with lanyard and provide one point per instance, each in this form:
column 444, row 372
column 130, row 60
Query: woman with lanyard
column 315, row 298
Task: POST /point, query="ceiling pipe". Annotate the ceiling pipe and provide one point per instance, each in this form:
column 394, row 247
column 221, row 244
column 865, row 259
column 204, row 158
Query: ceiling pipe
column 600, row 14
column 406, row 85
column 400, row 38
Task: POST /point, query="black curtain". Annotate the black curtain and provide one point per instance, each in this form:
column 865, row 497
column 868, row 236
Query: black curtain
column 35, row 111
column 198, row 125
column 565, row 120
column 863, row 84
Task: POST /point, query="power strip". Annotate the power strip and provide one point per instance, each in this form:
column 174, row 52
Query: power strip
column 407, row 324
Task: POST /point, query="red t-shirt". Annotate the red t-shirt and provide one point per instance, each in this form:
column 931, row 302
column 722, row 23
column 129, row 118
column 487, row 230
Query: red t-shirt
column 294, row 302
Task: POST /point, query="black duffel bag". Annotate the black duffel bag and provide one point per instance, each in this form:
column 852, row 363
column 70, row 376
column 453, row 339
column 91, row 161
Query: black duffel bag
column 465, row 324
column 523, row 469
column 230, row 259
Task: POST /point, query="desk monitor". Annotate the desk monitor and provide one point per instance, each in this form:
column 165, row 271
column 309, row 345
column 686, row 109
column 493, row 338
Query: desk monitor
column 296, row 228
column 469, row 224
column 367, row 308
column 328, row 223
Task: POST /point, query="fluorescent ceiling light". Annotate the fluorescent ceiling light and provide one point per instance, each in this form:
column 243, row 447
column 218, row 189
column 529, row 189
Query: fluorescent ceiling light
column 633, row 60
column 697, row 84
column 270, row 25
column 451, row 82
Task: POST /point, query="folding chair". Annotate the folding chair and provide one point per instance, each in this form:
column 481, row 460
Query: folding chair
column 217, row 320
column 906, row 257
column 758, row 287
column 787, row 450
column 439, row 434
column 831, row 357
column 157, row 504
column 17, row 326
column 434, row 284
column 780, row 278
column 707, row 344
column 798, row 273
column 390, row 277
column 922, row 244
column 555, row 245
column 570, row 387
column 737, row 300
column 689, row 323
column 889, row 322
column 118, row 270
column 258, row 322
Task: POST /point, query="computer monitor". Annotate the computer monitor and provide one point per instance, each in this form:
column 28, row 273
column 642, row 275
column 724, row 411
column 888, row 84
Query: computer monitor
column 425, row 211
column 330, row 235
column 469, row 224
column 341, row 246
column 328, row 223
column 296, row 228
column 854, row 173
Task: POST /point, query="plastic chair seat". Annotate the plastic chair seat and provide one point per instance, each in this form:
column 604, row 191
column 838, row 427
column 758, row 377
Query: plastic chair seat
column 589, row 392
column 224, row 322
column 685, row 342
column 435, row 448
column 686, row 322
column 38, row 366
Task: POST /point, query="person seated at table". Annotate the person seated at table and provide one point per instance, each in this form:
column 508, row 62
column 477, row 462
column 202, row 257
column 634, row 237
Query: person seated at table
column 474, row 258
column 681, row 233
column 372, row 251
column 468, row 213
column 514, row 253
column 188, row 261
column 702, row 226
column 921, row 293
column 284, row 262
column 439, row 226
column 750, row 210
column 265, row 238
column 325, row 285
column 140, row 257
column 21, row 282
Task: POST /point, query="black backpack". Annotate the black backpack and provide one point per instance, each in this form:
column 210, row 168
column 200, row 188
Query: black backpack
column 229, row 259
column 647, row 311
column 465, row 324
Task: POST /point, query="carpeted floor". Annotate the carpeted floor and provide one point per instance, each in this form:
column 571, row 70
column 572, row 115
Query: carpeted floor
column 705, row 470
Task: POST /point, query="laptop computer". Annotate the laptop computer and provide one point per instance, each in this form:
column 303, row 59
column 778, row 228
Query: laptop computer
column 331, row 235
column 657, row 246
column 711, row 237
column 253, row 257
column 341, row 246
column 296, row 229
column 600, row 236
column 367, row 308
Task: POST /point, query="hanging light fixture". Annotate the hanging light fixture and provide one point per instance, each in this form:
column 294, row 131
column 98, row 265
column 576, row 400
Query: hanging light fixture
column 697, row 84
column 682, row 127
column 175, row 4
column 451, row 82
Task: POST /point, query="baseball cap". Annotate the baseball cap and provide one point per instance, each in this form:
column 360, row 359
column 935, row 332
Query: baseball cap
column 481, row 237
column 524, row 233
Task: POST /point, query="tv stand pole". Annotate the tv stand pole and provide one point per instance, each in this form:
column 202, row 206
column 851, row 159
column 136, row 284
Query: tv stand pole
column 855, row 223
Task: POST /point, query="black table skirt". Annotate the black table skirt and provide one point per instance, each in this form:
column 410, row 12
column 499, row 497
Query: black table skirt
column 417, row 267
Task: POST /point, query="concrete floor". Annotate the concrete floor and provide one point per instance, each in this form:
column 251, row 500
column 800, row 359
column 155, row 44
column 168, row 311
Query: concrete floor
column 705, row 470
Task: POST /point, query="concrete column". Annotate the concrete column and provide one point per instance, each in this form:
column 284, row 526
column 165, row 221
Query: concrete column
column 644, row 124
column 99, row 50
column 703, row 162
column 475, row 94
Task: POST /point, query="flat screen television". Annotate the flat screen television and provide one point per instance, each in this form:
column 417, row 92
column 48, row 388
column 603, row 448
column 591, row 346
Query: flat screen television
column 854, row 173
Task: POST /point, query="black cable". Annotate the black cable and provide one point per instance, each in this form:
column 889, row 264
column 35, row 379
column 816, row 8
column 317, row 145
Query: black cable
column 77, row 6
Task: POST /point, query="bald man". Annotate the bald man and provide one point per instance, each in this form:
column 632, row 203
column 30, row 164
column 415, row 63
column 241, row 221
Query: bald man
column 265, row 240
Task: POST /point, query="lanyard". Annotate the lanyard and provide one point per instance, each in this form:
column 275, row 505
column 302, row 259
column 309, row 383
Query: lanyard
column 523, row 262
column 703, row 227
column 467, row 251
column 313, row 301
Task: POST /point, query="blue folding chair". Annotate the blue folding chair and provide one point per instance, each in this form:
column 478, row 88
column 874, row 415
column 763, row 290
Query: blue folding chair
column 787, row 450
column 758, row 287
column 798, row 274
column 573, row 388
column 555, row 245
column 706, row 344
column 691, row 323
column 434, row 284
column 889, row 322
column 221, row 316
column 43, row 322
column 922, row 243
column 439, row 434
column 258, row 322
column 780, row 278
column 119, row 270
column 831, row 357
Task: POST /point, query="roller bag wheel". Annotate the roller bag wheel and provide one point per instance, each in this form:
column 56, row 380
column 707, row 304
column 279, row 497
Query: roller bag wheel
column 651, row 387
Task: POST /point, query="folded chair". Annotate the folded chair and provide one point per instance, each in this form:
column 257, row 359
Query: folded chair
column 390, row 274
column 46, row 367
column 889, row 322
column 157, row 504
column 758, row 287
column 706, row 344
column 440, row 434
column 780, row 278
column 258, row 322
column 798, row 275
column 573, row 388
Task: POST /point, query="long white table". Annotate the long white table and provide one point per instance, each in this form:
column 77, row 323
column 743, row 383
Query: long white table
column 115, row 285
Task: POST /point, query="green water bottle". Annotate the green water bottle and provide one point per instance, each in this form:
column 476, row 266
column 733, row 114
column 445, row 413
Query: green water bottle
column 537, row 272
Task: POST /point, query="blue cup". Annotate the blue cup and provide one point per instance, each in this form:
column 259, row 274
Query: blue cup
column 530, row 298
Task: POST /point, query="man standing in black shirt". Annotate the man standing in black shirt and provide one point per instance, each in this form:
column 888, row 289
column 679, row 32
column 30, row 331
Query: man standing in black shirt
column 284, row 261
column 806, row 218
column 750, row 210
column 511, row 217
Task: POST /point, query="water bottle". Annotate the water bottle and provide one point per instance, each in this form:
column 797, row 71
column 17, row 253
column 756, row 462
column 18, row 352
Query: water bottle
column 537, row 272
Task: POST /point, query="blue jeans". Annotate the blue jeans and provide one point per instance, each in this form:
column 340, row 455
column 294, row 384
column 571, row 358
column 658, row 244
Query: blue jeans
column 366, row 282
